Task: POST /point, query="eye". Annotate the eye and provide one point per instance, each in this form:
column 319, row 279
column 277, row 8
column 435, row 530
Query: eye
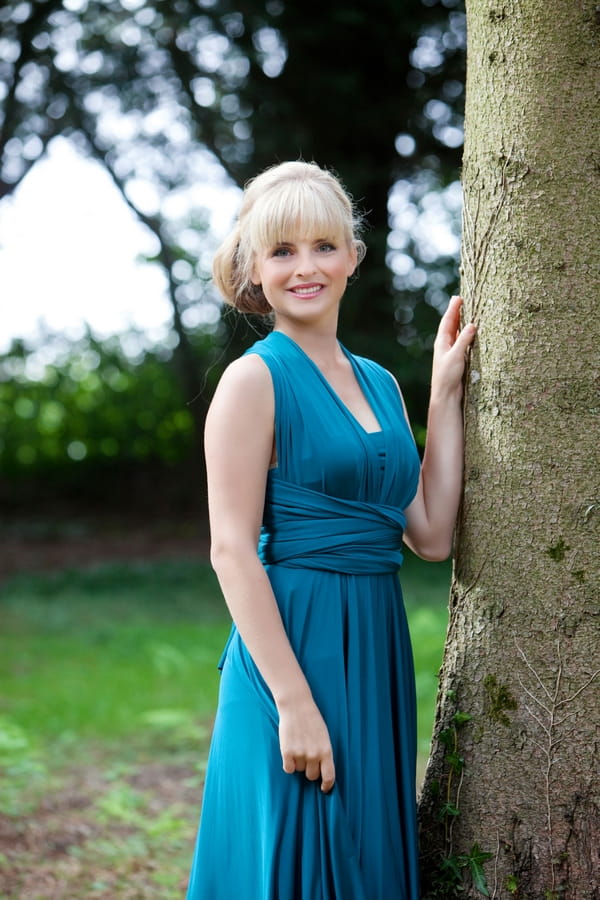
column 281, row 251
column 326, row 247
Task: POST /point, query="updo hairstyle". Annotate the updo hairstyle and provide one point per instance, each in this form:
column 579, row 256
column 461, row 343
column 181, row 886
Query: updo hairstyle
column 285, row 201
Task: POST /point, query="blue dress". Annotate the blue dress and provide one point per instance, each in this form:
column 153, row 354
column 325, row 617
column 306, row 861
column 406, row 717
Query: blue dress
column 331, row 544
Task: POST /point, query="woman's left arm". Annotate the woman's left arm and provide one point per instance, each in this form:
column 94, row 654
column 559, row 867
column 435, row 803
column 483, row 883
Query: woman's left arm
column 431, row 517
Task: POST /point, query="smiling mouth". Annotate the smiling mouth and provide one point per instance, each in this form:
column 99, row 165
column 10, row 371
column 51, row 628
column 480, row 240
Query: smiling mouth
column 308, row 290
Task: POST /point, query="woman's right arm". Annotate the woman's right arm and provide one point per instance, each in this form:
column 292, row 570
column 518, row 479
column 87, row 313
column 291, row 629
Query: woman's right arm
column 239, row 446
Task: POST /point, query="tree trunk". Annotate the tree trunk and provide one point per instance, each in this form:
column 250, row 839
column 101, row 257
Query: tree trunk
column 519, row 779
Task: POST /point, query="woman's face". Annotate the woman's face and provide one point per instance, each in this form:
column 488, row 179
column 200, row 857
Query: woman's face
column 305, row 278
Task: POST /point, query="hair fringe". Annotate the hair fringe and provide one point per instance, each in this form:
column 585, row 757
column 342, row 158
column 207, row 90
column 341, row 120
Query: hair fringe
column 284, row 194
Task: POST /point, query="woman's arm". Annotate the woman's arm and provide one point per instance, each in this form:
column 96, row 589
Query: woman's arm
column 239, row 447
column 431, row 516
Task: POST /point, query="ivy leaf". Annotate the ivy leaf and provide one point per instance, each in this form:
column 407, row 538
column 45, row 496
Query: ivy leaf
column 459, row 718
column 446, row 737
column 455, row 761
column 475, row 861
column 512, row 885
column 453, row 864
column 449, row 809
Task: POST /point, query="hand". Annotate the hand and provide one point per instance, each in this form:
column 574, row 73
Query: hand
column 305, row 743
column 450, row 351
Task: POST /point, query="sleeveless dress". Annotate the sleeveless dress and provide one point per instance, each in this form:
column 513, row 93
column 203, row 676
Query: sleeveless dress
column 331, row 544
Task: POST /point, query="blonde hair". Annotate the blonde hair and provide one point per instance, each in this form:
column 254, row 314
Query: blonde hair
column 286, row 200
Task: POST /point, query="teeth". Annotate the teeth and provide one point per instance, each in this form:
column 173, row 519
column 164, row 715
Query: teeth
column 309, row 290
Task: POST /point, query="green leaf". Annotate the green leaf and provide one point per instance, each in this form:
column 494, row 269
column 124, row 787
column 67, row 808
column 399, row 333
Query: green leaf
column 455, row 761
column 449, row 809
column 475, row 861
column 512, row 884
column 453, row 864
column 459, row 718
column 447, row 737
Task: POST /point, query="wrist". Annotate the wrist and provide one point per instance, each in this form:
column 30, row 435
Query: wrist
column 292, row 696
column 443, row 397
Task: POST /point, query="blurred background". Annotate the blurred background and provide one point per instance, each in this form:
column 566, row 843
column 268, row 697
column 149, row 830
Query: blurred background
column 126, row 130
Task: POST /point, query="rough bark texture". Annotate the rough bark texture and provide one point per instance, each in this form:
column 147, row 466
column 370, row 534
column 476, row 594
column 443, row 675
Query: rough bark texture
column 523, row 649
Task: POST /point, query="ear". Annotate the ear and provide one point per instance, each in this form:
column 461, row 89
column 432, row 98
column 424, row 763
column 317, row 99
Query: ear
column 353, row 260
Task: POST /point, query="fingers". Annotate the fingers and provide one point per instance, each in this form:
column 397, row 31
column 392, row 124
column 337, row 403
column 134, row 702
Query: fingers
column 450, row 333
column 319, row 766
column 305, row 744
column 465, row 338
column 327, row 775
column 450, row 321
column 289, row 763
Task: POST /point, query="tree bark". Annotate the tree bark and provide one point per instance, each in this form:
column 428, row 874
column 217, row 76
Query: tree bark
column 519, row 779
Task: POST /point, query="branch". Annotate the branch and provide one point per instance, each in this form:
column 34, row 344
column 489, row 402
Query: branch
column 25, row 34
column 185, row 72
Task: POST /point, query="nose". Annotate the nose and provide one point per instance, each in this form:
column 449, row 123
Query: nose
column 305, row 262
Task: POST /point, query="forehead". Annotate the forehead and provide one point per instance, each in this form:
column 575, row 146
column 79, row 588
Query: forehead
column 298, row 215
column 296, row 231
column 297, row 234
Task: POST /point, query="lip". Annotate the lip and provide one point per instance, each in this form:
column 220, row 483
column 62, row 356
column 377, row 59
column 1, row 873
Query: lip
column 306, row 290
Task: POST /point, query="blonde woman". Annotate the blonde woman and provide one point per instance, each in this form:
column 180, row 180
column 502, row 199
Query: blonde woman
column 314, row 481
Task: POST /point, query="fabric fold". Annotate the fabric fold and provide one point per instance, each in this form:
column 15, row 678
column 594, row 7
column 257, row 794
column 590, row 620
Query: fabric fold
column 309, row 529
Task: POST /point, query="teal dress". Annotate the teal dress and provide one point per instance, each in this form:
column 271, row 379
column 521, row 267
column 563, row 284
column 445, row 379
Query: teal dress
column 331, row 545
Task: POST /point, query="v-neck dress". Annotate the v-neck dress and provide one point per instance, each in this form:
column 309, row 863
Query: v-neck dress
column 331, row 545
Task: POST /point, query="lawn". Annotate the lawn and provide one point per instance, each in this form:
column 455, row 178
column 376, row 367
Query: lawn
column 108, row 683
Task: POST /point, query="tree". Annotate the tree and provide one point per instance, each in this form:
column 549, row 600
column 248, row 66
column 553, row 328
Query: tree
column 163, row 92
column 512, row 790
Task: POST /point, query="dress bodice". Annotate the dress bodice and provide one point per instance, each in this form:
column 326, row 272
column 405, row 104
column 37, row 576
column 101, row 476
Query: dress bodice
column 320, row 444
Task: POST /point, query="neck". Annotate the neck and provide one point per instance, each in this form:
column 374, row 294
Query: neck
column 320, row 344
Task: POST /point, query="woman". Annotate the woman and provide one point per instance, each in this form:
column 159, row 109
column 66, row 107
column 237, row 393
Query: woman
column 310, row 787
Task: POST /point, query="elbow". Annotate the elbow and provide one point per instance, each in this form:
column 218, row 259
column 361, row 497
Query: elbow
column 432, row 550
column 220, row 555
column 216, row 556
column 433, row 554
column 436, row 554
column 226, row 553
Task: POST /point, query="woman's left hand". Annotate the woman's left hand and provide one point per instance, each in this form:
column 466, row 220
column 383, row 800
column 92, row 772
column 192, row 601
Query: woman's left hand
column 450, row 351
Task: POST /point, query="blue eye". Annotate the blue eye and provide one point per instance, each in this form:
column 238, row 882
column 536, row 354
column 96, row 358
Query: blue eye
column 281, row 251
column 326, row 247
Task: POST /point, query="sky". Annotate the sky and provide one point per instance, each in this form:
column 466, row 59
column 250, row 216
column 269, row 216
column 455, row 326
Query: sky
column 70, row 248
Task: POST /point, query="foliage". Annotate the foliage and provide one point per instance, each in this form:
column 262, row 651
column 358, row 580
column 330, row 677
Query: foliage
column 170, row 95
column 448, row 879
column 90, row 403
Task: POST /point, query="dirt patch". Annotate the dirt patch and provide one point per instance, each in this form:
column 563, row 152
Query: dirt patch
column 49, row 546
column 103, row 836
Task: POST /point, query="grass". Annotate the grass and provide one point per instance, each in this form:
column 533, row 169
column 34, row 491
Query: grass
column 425, row 587
column 99, row 653
column 108, row 682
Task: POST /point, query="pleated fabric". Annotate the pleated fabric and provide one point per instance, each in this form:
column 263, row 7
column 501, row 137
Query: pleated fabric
column 331, row 545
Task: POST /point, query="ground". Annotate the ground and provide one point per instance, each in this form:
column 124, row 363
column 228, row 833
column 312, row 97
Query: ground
column 84, row 838
column 31, row 545
column 125, row 834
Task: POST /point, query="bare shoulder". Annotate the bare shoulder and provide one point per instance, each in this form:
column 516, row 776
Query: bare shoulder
column 245, row 390
column 249, row 372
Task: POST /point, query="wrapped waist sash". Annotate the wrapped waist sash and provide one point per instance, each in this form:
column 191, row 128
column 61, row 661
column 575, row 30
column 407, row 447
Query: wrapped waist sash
column 303, row 528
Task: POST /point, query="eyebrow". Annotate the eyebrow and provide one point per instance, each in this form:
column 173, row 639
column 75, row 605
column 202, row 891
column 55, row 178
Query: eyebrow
column 318, row 240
